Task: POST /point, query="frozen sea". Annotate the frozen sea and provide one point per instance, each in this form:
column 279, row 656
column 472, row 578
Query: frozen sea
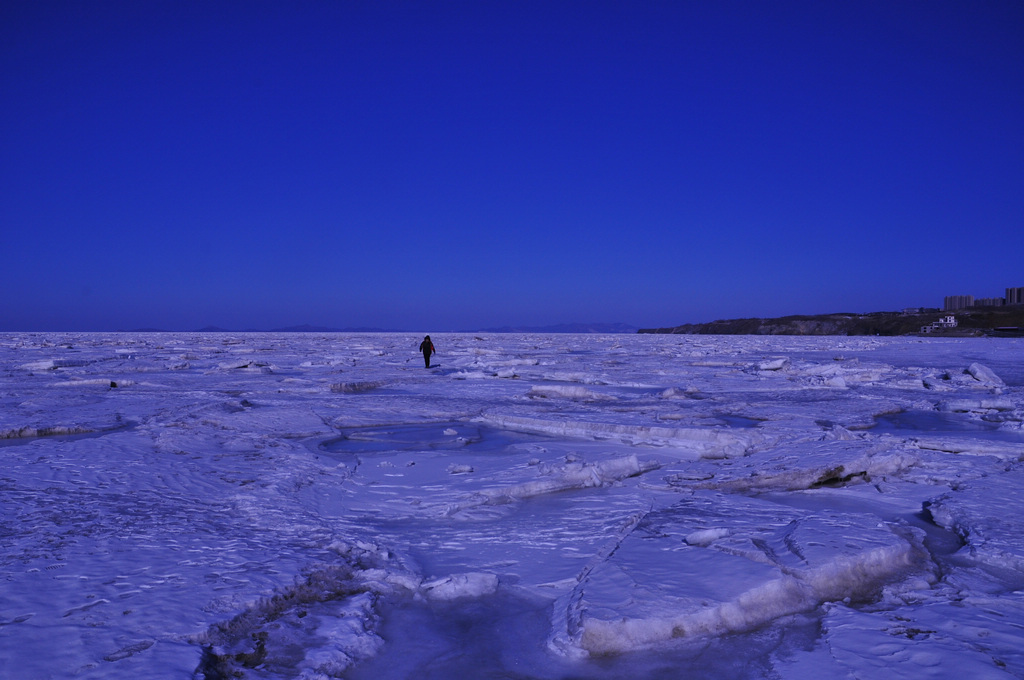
column 532, row 506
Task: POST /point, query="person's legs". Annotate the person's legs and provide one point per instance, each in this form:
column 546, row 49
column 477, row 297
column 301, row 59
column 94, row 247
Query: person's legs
column 426, row 359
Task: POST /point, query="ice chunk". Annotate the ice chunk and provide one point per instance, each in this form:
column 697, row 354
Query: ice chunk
column 776, row 364
column 977, row 405
column 985, row 375
column 475, row 584
column 678, row 393
column 356, row 387
column 937, row 384
column 833, row 461
column 349, row 637
column 53, row 364
column 706, row 537
column 567, row 392
column 48, row 431
column 95, row 382
column 973, row 447
column 702, row 442
column 251, row 366
column 574, row 475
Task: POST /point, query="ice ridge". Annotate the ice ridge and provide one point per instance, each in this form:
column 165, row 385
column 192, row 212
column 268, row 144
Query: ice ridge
column 701, row 442
column 794, row 592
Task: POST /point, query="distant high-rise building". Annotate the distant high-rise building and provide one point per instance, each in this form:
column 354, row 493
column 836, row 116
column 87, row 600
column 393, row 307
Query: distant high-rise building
column 1015, row 296
column 955, row 302
column 989, row 302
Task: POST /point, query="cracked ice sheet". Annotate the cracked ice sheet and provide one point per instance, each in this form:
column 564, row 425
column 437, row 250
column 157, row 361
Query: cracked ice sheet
column 196, row 507
column 982, row 513
column 508, row 500
column 977, row 637
column 713, row 564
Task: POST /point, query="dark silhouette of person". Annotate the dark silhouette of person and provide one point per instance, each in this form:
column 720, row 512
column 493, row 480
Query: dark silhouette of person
column 427, row 347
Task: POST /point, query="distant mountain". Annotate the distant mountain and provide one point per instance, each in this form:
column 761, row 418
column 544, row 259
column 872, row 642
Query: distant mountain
column 303, row 328
column 564, row 328
column 306, row 328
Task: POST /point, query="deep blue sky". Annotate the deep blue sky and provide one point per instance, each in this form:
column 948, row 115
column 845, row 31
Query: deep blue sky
column 455, row 165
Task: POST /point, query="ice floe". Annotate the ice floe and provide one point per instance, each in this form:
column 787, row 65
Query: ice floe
column 271, row 506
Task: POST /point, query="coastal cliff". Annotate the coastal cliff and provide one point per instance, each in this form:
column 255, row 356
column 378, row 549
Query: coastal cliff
column 971, row 322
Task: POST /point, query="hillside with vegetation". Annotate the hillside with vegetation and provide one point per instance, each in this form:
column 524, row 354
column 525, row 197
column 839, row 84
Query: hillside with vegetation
column 975, row 321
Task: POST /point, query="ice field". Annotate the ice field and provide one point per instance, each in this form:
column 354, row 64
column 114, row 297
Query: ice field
column 532, row 506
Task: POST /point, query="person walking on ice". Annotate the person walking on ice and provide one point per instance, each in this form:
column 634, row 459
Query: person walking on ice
column 427, row 347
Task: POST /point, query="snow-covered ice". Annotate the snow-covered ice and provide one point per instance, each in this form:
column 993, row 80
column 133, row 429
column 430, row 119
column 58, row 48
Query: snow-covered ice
column 536, row 506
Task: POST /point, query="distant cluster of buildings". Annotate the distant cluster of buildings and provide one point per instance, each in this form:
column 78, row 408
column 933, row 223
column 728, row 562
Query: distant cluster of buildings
column 942, row 324
column 1014, row 296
